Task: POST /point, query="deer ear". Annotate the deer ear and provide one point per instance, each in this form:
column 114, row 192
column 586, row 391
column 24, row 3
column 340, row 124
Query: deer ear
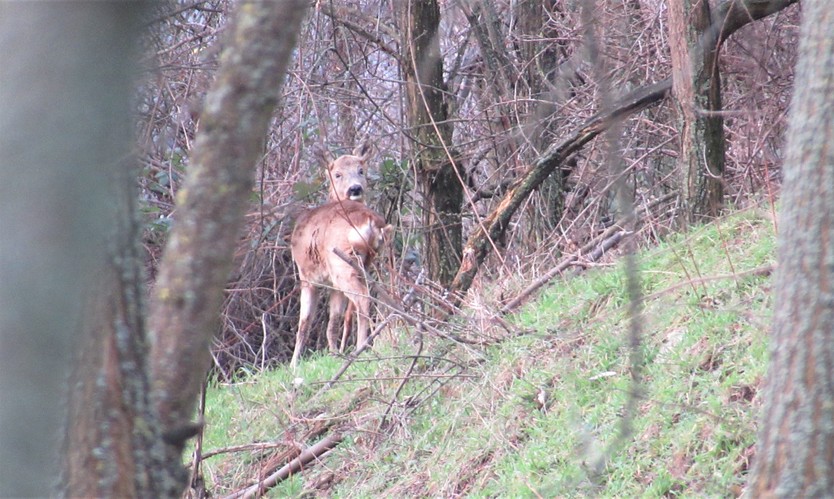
column 323, row 156
column 363, row 150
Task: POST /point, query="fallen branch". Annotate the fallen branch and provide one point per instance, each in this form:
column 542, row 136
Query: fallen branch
column 242, row 448
column 493, row 227
column 296, row 465
column 593, row 251
column 566, row 262
column 404, row 377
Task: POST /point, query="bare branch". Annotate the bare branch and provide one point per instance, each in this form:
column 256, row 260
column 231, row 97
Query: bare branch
column 736, row 13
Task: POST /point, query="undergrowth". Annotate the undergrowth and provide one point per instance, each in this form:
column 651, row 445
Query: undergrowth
column 537, row 410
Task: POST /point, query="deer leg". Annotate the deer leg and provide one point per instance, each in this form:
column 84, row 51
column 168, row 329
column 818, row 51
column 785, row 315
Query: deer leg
column 348, row 320
column 308, row 308
column 337, row 313
column 362, row 302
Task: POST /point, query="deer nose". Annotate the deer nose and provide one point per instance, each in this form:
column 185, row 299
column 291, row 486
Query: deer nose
column 355, row 192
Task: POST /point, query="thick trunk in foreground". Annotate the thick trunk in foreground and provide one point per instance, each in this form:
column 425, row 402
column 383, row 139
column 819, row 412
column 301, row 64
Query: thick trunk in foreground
column 795, row 451
column 114, row 442
column 64, row 131
column 185, row 304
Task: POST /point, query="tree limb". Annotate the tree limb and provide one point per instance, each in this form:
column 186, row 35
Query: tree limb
column 732, row 15
column 186, row 300
column 341, row 18
column 296, row 465
column 494, row 225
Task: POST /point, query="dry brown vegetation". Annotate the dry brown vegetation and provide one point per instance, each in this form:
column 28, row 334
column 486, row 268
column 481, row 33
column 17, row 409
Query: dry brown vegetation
column 519, row 78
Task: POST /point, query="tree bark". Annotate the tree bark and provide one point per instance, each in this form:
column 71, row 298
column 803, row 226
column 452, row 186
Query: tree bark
column 795, row 450
column 64, row 129
column 185, row 304
column 114, row 442
column 540, row 59
column 438, row 176
column 696, row 92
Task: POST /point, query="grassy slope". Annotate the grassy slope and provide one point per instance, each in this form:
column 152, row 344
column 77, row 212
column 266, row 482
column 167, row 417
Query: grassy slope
column 485, row 433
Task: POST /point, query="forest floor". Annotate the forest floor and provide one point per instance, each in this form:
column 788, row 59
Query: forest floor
column 553, row 403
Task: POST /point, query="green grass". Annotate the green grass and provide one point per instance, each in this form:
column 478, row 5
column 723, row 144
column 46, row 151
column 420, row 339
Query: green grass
column 704, row 350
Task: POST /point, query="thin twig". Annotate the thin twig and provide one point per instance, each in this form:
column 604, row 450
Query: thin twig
column 402, row 383
column 762, row 271
column 242, row 448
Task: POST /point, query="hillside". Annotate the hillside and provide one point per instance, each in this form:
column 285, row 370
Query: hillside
column 538, row 407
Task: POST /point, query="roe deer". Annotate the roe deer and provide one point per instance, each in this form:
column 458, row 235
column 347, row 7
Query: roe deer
column 356, row 231
column 347, row 174
column 347, row 177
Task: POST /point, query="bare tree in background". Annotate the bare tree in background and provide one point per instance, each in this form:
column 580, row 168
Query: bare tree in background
column 515, row 82
column 696, row 93
column 438, row 171
column 795, row 450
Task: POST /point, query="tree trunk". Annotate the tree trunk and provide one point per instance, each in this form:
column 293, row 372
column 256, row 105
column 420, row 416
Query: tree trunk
column 64, row 127
column 540, row 60
column 696, row 91
column 185, row 304
column 438, row 176
column 795, row 451
column 114, row 442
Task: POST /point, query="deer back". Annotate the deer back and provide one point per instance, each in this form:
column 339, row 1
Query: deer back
column 348, row 226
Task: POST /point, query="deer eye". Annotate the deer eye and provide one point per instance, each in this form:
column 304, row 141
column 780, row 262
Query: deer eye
column 337, row 175
column 361, row 171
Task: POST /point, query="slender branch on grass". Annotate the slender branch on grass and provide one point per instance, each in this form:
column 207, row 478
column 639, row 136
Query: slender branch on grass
column 307, row 456
column 400, row 313
column 388, row 300
column 763, row 271
column 399, row 389
column 433, row 358
column 564, row 264
column 352, row 358
column 439, row 383
column 403, row 377
column 242, row 448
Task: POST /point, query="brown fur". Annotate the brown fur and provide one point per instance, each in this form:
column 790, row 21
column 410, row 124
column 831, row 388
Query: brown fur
column 348, row 174
column 357, row 231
